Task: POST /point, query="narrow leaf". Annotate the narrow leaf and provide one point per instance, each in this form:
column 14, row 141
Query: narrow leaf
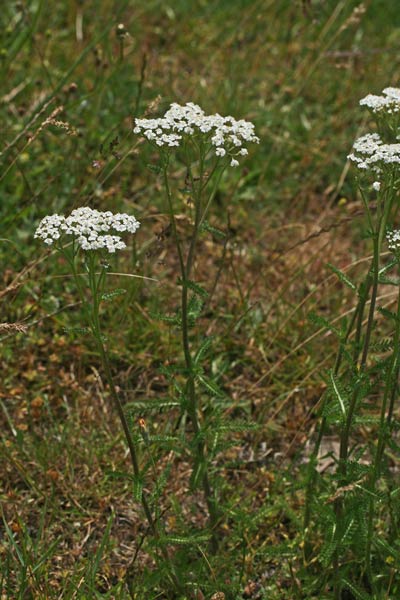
column 205, row 226
column 202, row 351
column 338, row 393
column 343, row 278
column 195, row 287
column 211, row 386
column 150, row 405
column 137, row 488
column 107, row 297
column 356, row 591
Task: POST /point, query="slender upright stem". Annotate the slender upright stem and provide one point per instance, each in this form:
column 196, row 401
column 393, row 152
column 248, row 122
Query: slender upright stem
column 384, row 210
column 93, row 319
column 390, row 386
column 321, row 431
column 186, row 270
column 373, row 280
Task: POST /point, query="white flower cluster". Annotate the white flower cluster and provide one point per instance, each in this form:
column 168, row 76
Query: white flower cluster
column 87, row 226
column 393, row 238
column 372, row 153
column 388, row 103
column 226, row 134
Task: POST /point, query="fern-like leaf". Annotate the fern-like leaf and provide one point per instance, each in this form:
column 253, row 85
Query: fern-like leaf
column 343, row 278
column 211, row 387
column 357, row 592
column 338, row 393
column 137, row 488
column 148, row 406
column 187, row 540
column 324, row 324
column 205, row 226
column 108, row 296
column 195, row 287
column 202, row 351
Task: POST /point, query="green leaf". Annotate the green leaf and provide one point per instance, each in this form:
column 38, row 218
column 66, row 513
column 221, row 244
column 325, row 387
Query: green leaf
column 107, row 297
column 95, row 563
column 329, row 547
column 164, row 438
column 187, row 540
column 382, row 544
column 154, row 168
column 388, row 280
column 358, row 593
column 366, row 420
column 349, row 532
column 171, row 319
column 145, row 406
column 170, row 371
column 338, row 392
column 194, row 308
column 137, row 488
column 205, row 226
column 383, row 345
column 343, row 278
column 211, row 386
column 197, row 475
column 387, row 313
column 202, row 351
column 240, row 426
column 13, row 542
column 192, row 285
column 387, row 267
column 77, row 330
column 323, row 323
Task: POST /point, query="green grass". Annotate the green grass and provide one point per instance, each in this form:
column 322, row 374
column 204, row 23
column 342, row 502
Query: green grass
column 71, row 529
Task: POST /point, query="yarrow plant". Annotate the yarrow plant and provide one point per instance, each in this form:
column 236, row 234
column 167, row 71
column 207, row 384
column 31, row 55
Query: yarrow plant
column 206, row 145
column 87, row 237
column 357, row 518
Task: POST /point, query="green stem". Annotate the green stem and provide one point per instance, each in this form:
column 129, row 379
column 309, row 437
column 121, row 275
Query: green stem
column 191, row 385
column 374, row 280
column 186, row 270
column 93, row 319
column 321, row 432
column 384, row 210
column 172, row 218
column 384, row 424
column 212, row 196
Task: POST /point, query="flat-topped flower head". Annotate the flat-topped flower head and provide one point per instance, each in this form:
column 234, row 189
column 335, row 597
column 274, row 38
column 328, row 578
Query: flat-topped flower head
column 90, row 229
column 370, row 153
column 225, row 135
column 388, row 103
column 393, row 239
